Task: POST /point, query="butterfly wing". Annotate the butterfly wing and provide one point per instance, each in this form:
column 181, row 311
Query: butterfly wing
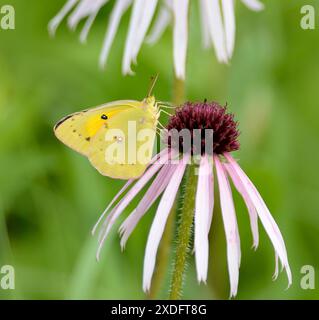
column 123, row 147
column 77, row 130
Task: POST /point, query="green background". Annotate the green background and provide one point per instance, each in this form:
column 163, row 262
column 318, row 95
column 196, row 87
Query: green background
column 50, row 197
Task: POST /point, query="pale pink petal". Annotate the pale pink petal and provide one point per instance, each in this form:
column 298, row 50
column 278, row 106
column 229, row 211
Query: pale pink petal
column 180, row 36
column 161, row 23
column 229, row 22
column 230, row 225
column 211, row 193
column 250, row 206
column 203, row 214
column 127, row 184
column 119, row 9
column 158, row 185
column 54, row 23
column 159, row 223
column 264, row 216
column 121, row 206
column 216, row 28
column 255, row 5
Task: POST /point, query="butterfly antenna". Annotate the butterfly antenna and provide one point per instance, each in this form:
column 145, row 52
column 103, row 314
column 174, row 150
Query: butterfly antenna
column 152, row 85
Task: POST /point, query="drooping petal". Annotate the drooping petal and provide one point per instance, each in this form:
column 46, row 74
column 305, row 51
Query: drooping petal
column 204, row 24
column 155, row 159
column 87, row 26
column 83, row 10
column 276, row 273
column 127, row 184
column 211, row 194
column 264, row 216
column 159, row 223
column 250, row 206
column 255, row 5
column 161, row 23
column 229, row 22
column 144, row 23
column 142, row 14
column 180, row 36
column 216, row 28
column 121, row 206
column 119, row 9
column 54, row 23
column 155, row 190
column 203, row 214
column 230, row 225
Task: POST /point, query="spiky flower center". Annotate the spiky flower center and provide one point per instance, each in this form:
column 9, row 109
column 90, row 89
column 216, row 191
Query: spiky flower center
column 198, row 116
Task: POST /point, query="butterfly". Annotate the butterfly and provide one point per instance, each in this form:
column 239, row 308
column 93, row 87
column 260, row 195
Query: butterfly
column 104, row 132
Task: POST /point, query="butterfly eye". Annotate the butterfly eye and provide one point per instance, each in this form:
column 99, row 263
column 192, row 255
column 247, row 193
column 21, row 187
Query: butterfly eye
column 104, row 117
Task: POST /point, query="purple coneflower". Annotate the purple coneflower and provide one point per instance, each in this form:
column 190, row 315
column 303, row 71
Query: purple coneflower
column 217, row 20
column 167, row 177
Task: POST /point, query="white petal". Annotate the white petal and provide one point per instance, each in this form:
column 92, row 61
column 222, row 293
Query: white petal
column 264, row 216
column 250, row 206
column 119, row 9
column 255, row 5
column 203, row 214
column 230, row 225
column 87, row 26
column 144, row 23
column 180, row 36
column 84, row 9
column 158, row 185
column 54, row 23
column 229, row 22
column 159, row 223
column 161, row 23
column 204, row 24
column 216, row 28
column 142, row 14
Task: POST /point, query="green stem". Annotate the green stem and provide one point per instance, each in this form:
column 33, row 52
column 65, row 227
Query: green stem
column 179, row 91
column 217, row 277
column 184, row 233
column 164, row 249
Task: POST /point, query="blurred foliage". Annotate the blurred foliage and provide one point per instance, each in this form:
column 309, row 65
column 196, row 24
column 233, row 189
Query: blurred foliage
column 50, row 197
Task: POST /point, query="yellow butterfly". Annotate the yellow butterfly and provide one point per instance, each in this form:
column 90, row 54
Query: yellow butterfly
column 103, row 133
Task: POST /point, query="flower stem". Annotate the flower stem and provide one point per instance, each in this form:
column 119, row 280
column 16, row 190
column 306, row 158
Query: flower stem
column 184, row 233
column 164, row 249
column 217, row 277
column 179, row 91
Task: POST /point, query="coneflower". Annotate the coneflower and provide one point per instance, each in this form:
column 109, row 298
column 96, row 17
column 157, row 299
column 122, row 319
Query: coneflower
column 217, row 22
column 167, row 170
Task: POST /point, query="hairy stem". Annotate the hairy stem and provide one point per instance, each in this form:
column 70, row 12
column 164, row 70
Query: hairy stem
column 184, row 233
column 164, row 249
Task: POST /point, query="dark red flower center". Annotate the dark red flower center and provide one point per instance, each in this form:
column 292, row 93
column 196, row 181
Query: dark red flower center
column 198, row 116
